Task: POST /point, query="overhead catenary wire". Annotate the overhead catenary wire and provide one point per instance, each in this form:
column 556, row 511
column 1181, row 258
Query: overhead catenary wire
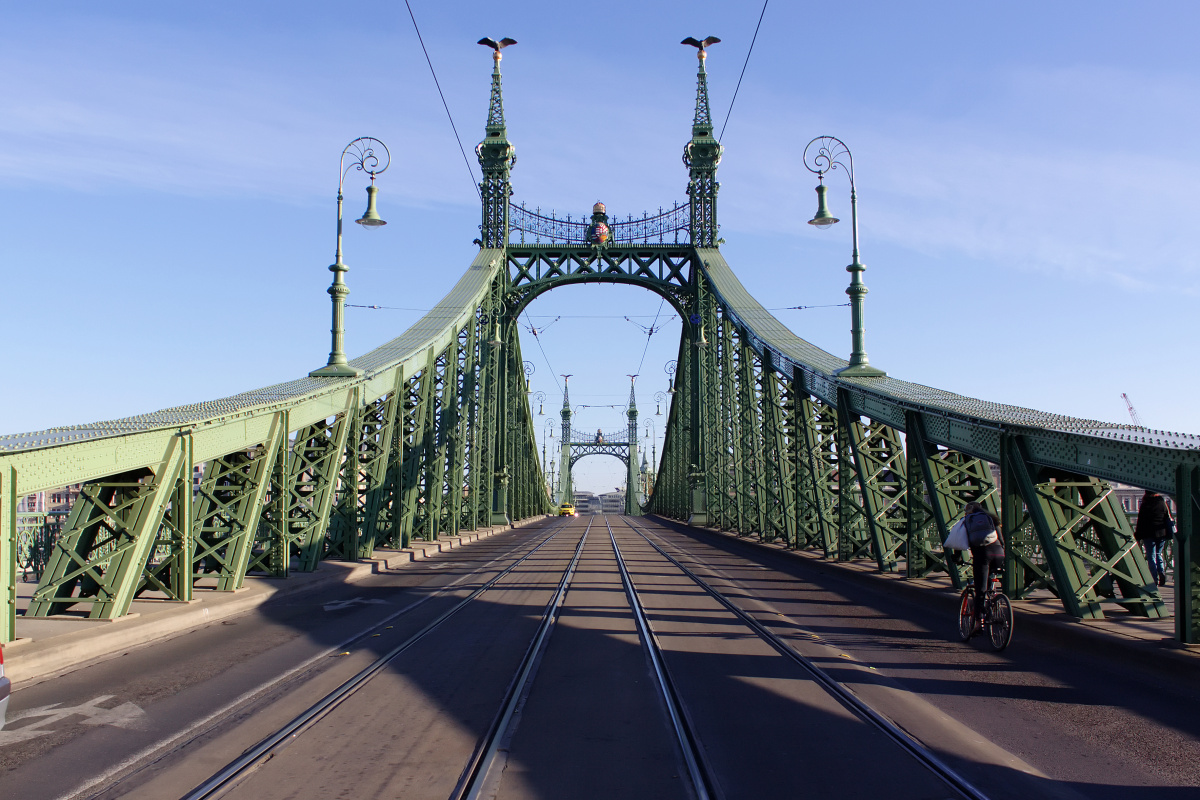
column 744, row 65
column 545, row 357
column 650, row 332
column 445, row 105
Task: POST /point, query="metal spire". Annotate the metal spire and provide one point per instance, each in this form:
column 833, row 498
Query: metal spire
column 702, row 155
column 496, row 158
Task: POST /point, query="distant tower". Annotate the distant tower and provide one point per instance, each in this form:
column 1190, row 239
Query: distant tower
column 632, row 506
column 566, row 491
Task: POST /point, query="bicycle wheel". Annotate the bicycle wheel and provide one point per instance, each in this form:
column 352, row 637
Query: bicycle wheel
column 1000, row 622
column 966, row 615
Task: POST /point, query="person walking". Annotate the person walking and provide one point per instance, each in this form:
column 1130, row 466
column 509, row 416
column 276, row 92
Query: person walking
column 1154, row 528
column 987, row 549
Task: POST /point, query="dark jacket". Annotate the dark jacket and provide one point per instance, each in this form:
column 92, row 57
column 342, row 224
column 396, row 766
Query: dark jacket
column 1152, row 518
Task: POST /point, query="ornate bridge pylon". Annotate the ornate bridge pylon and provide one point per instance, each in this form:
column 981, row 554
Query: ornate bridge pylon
column 765, row 436
column 621, row 445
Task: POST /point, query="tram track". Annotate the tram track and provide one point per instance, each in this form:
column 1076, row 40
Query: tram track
column 835, row 688
column 481, row 770
column 240, row 768
column 698, row 770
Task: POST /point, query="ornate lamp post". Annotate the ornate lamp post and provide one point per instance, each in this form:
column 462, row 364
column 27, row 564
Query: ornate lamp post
column 823, row 154
column 540, row 399
column 372, row 157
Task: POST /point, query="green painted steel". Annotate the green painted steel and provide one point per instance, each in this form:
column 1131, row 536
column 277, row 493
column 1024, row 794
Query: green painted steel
column 431, row 433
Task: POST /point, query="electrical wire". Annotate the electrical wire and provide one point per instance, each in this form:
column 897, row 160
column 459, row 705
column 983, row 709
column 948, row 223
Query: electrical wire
column 802, row 308
column 545, row 357
column 649, row 333
column 744, row 65
column 445, row 105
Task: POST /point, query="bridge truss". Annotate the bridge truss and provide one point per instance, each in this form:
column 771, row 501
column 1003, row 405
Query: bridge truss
column 435, row 436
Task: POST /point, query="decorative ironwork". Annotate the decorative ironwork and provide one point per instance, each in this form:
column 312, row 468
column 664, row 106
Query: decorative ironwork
column 827, row 156
column 620, row 436
column 531, row 226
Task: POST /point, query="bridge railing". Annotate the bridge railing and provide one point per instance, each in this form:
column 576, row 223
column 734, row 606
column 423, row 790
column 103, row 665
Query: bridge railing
column 293, row 473
column 621, row 435
column 532, row 226
column 777, row 445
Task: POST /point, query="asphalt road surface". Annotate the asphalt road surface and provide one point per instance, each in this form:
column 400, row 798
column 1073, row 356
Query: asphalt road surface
column 1035, row 721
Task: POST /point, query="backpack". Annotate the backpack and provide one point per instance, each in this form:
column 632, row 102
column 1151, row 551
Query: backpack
column 979, row 528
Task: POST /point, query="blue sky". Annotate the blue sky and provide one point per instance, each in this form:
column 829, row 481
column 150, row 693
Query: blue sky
column 1026, row 176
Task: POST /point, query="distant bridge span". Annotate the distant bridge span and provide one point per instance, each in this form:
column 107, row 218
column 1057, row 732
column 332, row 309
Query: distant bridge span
column 435, row 436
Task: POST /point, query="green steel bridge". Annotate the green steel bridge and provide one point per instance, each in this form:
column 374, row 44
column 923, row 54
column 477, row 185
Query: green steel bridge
column 431, row 434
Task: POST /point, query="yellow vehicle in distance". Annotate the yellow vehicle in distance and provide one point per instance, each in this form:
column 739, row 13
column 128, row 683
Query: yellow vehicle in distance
column 567, row 510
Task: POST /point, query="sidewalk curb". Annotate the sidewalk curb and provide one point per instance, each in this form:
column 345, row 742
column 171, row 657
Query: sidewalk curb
column 1045, row 626
column 25, row 661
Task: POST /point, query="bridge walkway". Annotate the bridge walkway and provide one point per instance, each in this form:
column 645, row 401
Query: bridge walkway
column 1039, row 720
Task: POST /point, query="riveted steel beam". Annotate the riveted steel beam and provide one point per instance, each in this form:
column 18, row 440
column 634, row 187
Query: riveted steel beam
column 778, row 457
column 1187, row 555
column 228, row 508
column 1085, row 538
column 109, row 535
column 8, row 552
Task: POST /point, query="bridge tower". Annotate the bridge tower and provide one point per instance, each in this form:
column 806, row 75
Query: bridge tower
column 566, row 492
column 701, row 155
column 496, row 158
column 633, row 506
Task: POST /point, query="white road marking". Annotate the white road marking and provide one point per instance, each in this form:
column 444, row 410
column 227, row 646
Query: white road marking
column 340, row 604
column 126, row 715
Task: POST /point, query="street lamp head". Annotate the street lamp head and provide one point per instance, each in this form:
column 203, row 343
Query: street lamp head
column 822, row 220
column 370, row 219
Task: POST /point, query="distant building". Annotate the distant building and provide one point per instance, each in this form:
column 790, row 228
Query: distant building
column 586, row 503
column 612, row 503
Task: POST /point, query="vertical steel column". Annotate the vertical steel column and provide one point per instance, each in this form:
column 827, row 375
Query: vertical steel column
column 778, row 456
column 443, row 423
column 951, row 482
column 750, row 470
column 272, row 549
column 380, row 452
column 313, row 484
column 817, row 434
column 416, row 455
column 231, row 499
column 1187, row 554
column 341, row 539
column 172, row 575
column 854, row 534
column 8, row 553
column 729, row 458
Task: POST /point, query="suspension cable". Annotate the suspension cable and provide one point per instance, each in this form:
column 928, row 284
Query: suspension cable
column 744, row 64
column 445, row 105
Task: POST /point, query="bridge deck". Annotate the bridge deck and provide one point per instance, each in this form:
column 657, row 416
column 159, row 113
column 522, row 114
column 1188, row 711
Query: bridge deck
column 591, row 724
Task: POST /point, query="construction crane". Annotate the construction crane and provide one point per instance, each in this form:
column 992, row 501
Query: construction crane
column 1133, row 415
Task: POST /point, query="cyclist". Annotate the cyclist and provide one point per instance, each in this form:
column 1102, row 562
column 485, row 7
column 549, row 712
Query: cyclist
column 987, row 550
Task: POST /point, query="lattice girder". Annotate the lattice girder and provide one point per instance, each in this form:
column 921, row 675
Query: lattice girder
column 951, row 480
column 1085, row 537
column 778, row 457
column 110, row 532
column 227, row 510
column 315, row 461
column 881, row 467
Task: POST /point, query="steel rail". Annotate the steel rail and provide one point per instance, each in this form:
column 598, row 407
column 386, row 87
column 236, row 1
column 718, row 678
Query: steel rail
column 699, row 772
column 241, row 767
column 840, row 692
column 474, row 777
